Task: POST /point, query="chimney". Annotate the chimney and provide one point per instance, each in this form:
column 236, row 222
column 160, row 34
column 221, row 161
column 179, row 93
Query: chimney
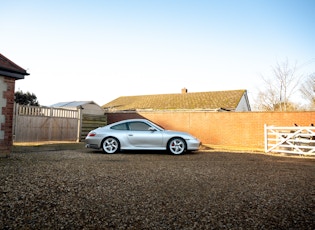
column 184, row 90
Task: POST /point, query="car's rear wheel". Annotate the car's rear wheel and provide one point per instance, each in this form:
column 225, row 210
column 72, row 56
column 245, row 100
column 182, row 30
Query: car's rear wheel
column 110, row 145
column 176, row 146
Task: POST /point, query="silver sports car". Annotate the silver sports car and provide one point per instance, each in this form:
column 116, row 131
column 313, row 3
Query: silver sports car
column 139, row 134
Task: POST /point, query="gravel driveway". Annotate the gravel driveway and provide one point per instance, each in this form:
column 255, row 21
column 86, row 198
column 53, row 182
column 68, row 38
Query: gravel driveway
column 85, row 189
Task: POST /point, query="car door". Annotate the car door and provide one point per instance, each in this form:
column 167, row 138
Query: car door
column 143, row 135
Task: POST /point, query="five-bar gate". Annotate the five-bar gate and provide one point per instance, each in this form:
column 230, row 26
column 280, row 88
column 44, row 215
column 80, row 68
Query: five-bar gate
column 293, row 140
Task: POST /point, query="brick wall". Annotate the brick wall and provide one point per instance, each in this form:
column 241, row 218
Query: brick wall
column 239, row 129
column 6, row 114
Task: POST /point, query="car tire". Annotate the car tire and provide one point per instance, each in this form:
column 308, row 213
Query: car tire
column 110, row 145
column 176, row 146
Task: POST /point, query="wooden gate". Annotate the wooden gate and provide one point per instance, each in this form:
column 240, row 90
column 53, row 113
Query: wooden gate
column 35, row 124
column 294, row 140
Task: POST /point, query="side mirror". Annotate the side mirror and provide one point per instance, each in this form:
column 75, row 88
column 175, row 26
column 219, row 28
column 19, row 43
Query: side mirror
column 152, row 129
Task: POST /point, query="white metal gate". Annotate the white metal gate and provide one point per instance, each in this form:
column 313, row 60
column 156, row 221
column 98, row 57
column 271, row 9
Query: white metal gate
column 294, row 140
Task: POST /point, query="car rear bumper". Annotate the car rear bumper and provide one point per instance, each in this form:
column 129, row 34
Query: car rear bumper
column 92, row 143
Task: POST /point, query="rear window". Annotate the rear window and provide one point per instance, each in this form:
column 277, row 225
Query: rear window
column 120, row 127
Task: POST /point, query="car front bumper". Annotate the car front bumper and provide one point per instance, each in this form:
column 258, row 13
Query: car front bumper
column 193, row 144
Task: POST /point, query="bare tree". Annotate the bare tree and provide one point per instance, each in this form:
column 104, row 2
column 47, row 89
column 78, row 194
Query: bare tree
column 278, row 89
column 308, row 90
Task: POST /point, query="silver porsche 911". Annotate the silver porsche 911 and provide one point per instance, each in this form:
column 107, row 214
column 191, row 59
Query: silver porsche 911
column 139, row 134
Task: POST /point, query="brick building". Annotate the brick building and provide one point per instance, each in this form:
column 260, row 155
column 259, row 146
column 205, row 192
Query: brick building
column 9, row 73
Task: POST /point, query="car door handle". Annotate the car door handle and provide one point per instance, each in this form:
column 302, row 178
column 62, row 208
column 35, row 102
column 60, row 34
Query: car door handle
column 130, row 135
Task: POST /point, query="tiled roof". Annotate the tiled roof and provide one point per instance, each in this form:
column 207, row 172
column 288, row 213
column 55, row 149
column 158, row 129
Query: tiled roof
column 202, row 100
column 8, row 65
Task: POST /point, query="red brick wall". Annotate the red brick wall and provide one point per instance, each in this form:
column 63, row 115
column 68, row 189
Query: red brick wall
column 240, row 129
column 7, row 111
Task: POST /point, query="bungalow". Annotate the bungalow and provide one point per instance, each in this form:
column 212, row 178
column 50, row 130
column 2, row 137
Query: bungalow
column 9, row 73
column 217, row 101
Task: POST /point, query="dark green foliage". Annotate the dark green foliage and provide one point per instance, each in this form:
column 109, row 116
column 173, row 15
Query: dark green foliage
column 25, row 98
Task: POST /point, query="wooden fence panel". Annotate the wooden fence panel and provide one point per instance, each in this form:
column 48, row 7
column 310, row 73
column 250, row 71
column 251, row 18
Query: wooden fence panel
column 90, row 122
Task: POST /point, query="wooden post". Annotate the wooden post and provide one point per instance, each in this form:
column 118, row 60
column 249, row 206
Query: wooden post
column 79, row 124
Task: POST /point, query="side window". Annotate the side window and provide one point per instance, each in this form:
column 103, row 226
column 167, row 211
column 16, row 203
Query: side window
column 120, row 127
column 139, row 126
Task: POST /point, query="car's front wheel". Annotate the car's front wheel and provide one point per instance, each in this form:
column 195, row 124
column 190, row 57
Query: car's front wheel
column 110, row 145
column 176, row 146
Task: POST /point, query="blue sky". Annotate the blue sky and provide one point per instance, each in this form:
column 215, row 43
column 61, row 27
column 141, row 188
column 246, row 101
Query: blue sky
column 100, row 50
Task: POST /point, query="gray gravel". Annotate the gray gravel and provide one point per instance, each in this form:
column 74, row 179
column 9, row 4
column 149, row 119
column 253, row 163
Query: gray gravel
column 85, row 189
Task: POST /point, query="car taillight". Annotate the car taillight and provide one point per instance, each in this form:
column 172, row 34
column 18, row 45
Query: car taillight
column 92, row 134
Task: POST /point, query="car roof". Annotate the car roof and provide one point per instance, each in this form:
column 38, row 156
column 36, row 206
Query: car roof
column 129, row 120
column 136, row 119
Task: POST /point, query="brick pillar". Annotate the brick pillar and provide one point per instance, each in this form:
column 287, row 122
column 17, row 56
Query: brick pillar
column 7, row 85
